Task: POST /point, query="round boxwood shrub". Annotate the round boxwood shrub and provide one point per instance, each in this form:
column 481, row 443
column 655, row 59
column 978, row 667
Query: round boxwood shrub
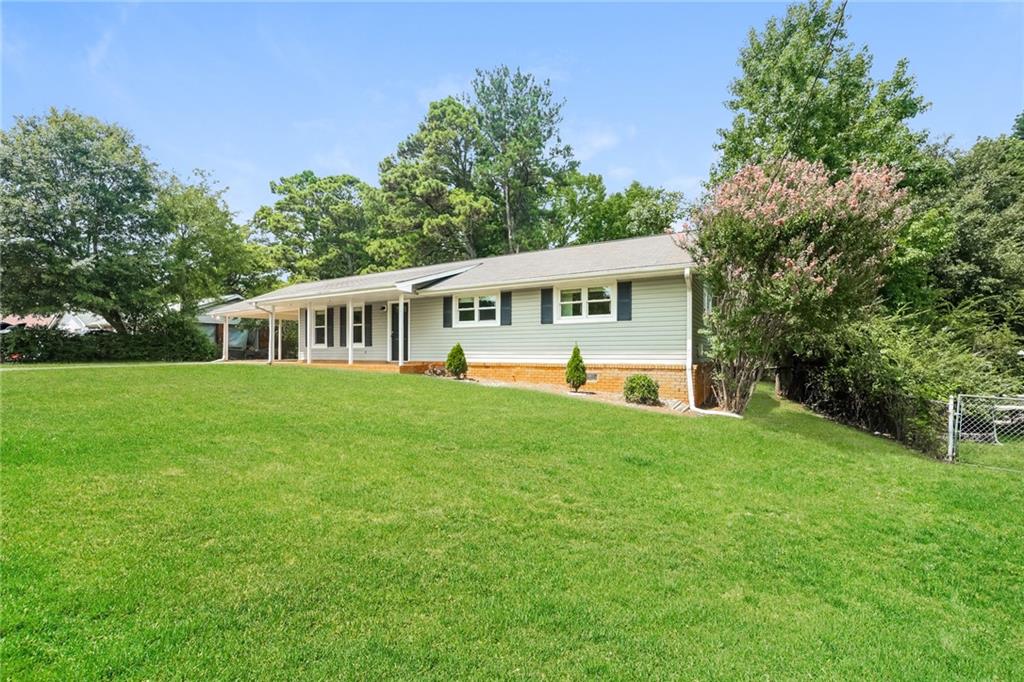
column 456, row 362
column 575, row 371
column 641, row 389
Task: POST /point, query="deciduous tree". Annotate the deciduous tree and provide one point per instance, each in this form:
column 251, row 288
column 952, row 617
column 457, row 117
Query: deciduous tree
column 806, row 92
column 77, row 198
column 208, row 254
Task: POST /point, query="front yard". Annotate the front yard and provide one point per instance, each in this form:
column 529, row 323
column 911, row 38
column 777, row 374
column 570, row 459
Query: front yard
column 242, row 521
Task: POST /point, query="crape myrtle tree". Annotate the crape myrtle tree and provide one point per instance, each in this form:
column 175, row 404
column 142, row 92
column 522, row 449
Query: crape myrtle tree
column 789, row 255
column 77, row 198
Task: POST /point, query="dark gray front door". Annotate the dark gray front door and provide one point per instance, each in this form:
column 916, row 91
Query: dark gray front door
column 394, row 332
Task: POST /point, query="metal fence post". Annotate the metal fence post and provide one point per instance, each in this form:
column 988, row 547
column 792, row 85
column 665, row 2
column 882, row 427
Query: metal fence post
column 950, row 432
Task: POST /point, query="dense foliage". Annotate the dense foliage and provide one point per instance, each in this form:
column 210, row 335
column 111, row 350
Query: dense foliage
column 889, row 373
column 951, row 273
column 575, row 370
column 167, row 337
column 88, row 223
column 319, row 227
column 806, row 91
column 641, row 389
column 456, row 363
column 77, row 198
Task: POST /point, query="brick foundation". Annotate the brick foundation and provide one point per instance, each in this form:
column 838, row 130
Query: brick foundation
column 610, row 377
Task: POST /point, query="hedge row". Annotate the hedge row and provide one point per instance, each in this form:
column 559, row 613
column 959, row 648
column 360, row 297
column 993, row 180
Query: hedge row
column 170, row 338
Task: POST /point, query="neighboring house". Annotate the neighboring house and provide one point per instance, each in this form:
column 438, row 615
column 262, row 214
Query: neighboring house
column 242, row 343
column 75, row 322
column 631, row 305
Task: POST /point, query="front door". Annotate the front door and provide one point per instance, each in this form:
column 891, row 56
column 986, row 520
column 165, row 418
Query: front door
column 393, row 350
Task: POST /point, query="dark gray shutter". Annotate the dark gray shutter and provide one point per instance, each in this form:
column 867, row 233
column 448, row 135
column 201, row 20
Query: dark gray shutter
column 343, row 314
column 446, row 311
column 547, row 312
column 368, row 325
column 302, row 325
column 624, row 301
column 506, row 308
column 330, row 325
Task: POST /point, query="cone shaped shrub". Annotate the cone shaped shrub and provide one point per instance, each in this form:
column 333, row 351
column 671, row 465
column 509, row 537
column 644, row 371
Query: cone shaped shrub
column 575, row 371
column 456, row 362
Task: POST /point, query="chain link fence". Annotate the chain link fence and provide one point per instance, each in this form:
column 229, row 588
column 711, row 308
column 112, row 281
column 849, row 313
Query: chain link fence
column 988, row 419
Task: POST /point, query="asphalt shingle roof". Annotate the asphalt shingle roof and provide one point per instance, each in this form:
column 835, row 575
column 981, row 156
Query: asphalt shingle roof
column 659, row 252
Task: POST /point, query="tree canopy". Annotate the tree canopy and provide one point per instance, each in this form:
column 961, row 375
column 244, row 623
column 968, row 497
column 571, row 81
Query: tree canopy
column 806, row 92
column 87, row 222
column 319, row 227
column 789, row 255
column 77, row 198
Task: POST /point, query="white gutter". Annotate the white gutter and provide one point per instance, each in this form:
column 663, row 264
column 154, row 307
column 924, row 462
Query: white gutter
column 689, row 353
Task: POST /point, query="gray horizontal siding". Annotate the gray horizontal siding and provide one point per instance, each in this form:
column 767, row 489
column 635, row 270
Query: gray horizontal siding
column 700, row 342
column 377, row 352
column 655, row 335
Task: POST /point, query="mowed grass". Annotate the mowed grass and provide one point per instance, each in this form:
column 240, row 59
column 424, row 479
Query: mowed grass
column 245, row 521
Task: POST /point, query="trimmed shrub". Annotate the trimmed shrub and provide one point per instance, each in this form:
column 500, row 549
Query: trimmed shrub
column 456, row 363
column 575, row 371
column 641, row 389
column 172, row 337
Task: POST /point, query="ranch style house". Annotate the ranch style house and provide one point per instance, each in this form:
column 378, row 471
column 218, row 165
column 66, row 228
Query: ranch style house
column 632, row 305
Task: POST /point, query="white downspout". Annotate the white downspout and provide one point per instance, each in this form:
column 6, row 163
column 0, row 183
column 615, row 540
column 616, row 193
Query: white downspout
column 689, row 353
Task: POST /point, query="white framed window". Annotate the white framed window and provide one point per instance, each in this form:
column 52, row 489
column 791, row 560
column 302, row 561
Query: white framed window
column 357, row 325
column 592, row 303
column 476, row 310
column 320, row 327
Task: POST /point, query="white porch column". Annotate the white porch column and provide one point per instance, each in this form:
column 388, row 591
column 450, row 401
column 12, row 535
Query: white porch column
column 270, row 340
column 226, row 329
column 401, row 329
column 348, row 334
column 309, row 334
column 279, row 325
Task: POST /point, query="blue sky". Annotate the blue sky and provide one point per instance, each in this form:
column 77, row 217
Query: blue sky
column 252, row 92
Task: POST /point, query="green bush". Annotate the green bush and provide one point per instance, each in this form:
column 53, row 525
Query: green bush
column 641, row 389
column 889, row 374
column 456, row 362
column 171, row 337
column 575, row 371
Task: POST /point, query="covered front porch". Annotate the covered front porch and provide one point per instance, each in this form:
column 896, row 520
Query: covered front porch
column 360, row 331
column 409, row 367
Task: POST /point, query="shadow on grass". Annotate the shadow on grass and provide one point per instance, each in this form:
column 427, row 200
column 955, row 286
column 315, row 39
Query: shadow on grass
column 783, row 416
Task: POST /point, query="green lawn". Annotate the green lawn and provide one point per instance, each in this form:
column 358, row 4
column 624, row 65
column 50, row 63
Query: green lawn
column 245, row 521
